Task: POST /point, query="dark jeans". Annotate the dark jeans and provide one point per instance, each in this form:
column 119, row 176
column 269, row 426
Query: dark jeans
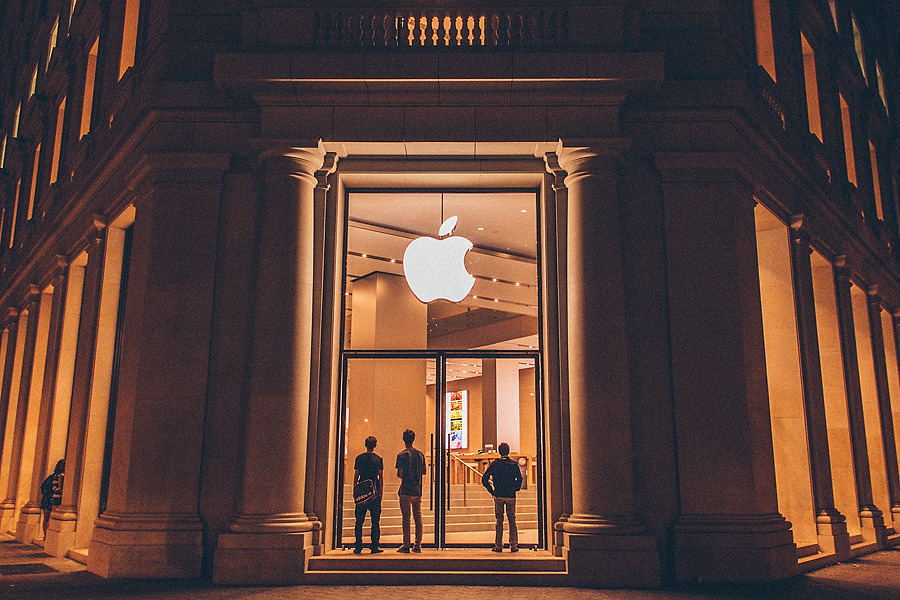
column 374, row 510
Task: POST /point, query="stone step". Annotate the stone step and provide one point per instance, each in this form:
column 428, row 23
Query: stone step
column 480, row 560
column 454, row 577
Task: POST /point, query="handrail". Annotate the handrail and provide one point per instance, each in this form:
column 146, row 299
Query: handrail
column 465, row 480
column 465, row 464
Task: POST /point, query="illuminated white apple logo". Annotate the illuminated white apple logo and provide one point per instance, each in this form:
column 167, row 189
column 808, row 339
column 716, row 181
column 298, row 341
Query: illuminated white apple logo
column 435, row 268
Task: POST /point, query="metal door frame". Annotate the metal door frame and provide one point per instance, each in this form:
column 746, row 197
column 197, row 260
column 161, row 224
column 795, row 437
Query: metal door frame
column 440, row 483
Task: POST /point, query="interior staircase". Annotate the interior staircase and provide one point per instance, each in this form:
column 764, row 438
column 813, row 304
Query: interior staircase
column 469, row 520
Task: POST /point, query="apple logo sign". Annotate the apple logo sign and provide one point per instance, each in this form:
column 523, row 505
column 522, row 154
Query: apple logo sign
column 435, row 268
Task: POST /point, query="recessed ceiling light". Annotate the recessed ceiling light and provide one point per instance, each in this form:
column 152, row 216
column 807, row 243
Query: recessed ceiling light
column 523, row 210
column 481, row 229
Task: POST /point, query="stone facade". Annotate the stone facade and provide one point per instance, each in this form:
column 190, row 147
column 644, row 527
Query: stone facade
column 719, row 275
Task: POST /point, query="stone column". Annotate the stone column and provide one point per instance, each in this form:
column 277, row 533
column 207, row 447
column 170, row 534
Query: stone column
column 11, row 335
column 36, row 425
column 271, row 537
column 831, row 525
column 871, row 517
column 318, row 456
column 729, row 528
column 151, row 526
column 604, row 541
column 888, row 438
column 26, row 365
column 61, row 532
column 555, row 342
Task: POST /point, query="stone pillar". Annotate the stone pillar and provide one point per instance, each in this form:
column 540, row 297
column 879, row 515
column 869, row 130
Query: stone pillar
column 10, row 340
column 604, row 541
column 324, row 352
column 271, row 537
column 555, row 342
column 871, row 518
column 61, row 532
column 888, row 438
column 729, row 528
column 33, row 452
column 31, row 513
column 831, row 525
column 151, row 526
column 19, row 449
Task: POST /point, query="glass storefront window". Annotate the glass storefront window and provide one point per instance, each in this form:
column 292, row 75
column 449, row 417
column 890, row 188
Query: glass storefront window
column 500, row 311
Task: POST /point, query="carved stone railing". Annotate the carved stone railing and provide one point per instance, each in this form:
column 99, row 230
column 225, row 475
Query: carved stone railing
column 441, row 27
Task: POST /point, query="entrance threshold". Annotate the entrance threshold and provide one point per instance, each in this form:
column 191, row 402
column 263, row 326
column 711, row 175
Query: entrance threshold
column 454, row 566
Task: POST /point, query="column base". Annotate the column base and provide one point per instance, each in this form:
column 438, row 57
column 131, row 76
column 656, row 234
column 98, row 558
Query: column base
column 734, row 548
column 29, row 523
column 871, row 522
column 60, row 532
column 833, row 536
column 609, row 553
column 7, row 511
column 262, row 558
column 147, row 546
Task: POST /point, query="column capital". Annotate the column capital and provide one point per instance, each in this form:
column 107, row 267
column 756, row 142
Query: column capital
column 583, row 157
column 329, row 165
column 551, row 161
column 872, row 294
column 11, row 315
column 290, row 160
column 32, row 294
column 61, row 265
column 841, row 269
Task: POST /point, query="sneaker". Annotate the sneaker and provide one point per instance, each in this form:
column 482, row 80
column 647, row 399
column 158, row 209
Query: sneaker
column 417, row 550
column 403, row 549
column 357, row 551
column 496, row 549
column 377, row 550
column 513, row 549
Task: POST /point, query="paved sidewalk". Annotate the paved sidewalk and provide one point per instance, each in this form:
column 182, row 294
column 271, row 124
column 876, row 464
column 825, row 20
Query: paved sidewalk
column 872, row 577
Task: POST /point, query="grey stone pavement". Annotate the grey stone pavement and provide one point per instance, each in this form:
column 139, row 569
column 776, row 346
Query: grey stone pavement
column 872, row 577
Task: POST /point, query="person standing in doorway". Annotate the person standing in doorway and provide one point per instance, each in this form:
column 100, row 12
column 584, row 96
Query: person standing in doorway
column 410, row 468
column 503, row 479
column 51, row 492
column 369, row 467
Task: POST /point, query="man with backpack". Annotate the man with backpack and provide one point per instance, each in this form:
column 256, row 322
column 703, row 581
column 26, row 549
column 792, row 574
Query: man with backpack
column 503, row 479
column 367, row 490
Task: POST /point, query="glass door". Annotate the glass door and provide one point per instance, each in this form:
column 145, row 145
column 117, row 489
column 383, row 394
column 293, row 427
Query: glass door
column 489, row 399
column 461, row 406
column 383, row 397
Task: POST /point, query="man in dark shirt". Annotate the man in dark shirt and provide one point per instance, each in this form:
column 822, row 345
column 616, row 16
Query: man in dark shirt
column 369, row 466
column 503, row 479
column 410, row 468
